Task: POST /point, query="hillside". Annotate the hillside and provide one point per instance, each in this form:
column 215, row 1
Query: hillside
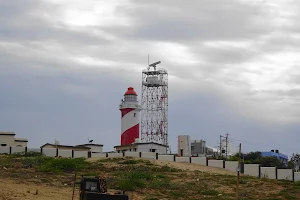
column 142, row 179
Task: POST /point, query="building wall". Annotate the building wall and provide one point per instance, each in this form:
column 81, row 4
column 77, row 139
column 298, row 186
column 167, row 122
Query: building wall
column 64, row 148
column 18, row 143
column 147, row 147
column 184, row 145
column 96, row 149
column 9, row 140
column 127, row 148
column 198, row 147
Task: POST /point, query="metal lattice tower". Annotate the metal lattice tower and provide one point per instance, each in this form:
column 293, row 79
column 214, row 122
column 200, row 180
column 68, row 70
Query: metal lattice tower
column 154, row 114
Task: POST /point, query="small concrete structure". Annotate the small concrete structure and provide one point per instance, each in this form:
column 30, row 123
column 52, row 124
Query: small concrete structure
column 143, row 147
column 7, row 139
column 65, row 147
column 94, row 148
column 184, row 145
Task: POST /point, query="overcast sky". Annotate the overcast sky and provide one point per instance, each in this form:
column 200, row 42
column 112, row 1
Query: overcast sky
column 233, row 67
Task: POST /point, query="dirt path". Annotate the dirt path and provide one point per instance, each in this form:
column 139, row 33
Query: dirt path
column 14, row 190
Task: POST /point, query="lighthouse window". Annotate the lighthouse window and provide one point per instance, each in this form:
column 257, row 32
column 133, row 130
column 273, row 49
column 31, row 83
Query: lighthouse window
column 134, row 114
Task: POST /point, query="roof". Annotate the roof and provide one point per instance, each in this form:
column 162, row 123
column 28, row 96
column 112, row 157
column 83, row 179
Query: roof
column 58, row 145
column 21, row 140
column 7, row 133
column 130, row 91
column 99, row 145
column 136, row 144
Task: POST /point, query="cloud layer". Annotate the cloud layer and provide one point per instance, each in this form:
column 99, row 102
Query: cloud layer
column 233, row 67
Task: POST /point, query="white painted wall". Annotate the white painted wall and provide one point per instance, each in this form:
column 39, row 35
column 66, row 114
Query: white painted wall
column 98, row 155
column 286, row 174
column 251, row 169
column 182, row 159
column 23, row 144
column 297, row 176
column 4, row 150
column 150, row 155
column 268, row 172
column 113, row 155
column 146, row 148
column 9, row 140
column 17, row 149
column 166, row 158
column 65, row 153
column 95, row 148
column 231, row 165
column 34, row 150
column 132, row 154
column 80, row 154
column 199, row 160
column 51, row 152
column 215, row 163
column 184, row 143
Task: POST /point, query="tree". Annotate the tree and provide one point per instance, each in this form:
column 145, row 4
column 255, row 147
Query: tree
column 296, row 160
column 271, row 161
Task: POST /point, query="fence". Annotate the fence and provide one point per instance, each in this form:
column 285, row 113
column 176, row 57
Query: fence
column 247, row 169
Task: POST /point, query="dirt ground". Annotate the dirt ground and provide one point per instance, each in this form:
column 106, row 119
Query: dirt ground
column 15, row 190
column 184, row 166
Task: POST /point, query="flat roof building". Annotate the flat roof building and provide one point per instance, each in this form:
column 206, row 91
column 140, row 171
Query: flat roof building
column 8, row 139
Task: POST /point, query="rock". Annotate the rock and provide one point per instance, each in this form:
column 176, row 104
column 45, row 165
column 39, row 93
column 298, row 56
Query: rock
column 4, row 168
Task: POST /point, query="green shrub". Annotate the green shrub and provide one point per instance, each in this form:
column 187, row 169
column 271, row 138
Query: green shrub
column 63, row 164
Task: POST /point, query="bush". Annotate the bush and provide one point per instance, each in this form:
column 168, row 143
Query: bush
column 63, row 164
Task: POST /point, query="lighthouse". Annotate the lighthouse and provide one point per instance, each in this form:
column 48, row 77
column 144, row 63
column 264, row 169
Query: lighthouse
column 130, row 117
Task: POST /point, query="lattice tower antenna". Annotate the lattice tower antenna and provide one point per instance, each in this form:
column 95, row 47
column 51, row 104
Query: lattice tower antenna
column 154, row 103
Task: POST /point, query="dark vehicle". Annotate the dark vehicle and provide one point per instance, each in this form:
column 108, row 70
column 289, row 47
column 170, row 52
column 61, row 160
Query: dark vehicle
column 94, row 188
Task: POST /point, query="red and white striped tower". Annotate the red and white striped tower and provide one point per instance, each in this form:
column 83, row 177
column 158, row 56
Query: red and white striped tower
column 130, row 121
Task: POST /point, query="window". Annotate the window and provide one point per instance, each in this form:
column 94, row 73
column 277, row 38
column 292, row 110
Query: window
column 3, row 145
column 134, row 114
column 134, row 149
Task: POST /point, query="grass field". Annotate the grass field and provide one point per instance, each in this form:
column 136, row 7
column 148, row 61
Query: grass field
column 141, row 179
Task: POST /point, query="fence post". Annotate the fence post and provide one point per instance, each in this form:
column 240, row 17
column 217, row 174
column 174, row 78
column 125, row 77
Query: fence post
column 224, row 164
column 89, row 154
column 206, row 161
column 106, row 155
column 293, row 175
column 41, row 150
column 276, row 173
column 140, row 154
column 174, row 158
column 242, row 170
column 156, row 156
column 56, row 152
column 190, row 159
column 10, row 149
column 72, row 153
column 123, row 153
column 259, row 171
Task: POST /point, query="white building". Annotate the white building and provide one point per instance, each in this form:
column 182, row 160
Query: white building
column 8, row 139
column 143, row 147
column 94, row 148
column 184, row 145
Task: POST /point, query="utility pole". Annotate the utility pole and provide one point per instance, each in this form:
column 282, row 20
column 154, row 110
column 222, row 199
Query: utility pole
column 238, row 173
column 226, row 145
column 221, row 145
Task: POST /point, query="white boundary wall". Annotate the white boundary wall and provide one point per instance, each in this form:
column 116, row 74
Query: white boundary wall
column 80, row 154
column 65, row 153
column 231, row 165
column 132, row 154
column 151, row 155
column 98, row 155
column 286, row 174
column 17, row 149
column 34, row 150
column 268, row 172
column 182, row 159
column 297, row 176
column 199, row 160
column 49, row 152
column 4, row 150
column 114, row 155
column 169, row 158
column 251, row 169
column 215, row 163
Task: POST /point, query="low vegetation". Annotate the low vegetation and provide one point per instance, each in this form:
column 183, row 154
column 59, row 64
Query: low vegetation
column 143, row 178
